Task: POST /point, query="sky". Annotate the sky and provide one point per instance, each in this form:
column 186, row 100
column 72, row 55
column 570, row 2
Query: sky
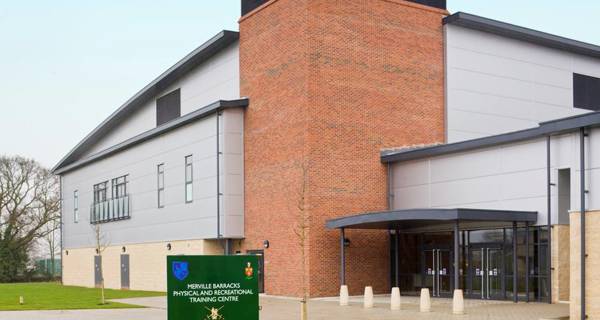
column 67, row 65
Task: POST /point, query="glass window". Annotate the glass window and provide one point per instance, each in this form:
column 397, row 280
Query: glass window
column 161, row 185
column 76, row 206
column 100, row 192
column 119, row 187
column 189, row 179
column 486, row 236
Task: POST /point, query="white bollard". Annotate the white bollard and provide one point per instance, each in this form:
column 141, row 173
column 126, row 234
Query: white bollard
column 458, row 303
column 395, row 299
column 425, row 305
column 344, row 295
column 368, row 300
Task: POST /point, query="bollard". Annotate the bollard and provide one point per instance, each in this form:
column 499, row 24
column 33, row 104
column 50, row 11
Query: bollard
column 458, row 303
column 344, row 295
column 425, row 305
column 368, row 300
column 395, row 300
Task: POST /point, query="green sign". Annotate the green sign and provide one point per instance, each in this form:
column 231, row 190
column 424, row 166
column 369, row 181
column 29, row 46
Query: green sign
column 212, row 287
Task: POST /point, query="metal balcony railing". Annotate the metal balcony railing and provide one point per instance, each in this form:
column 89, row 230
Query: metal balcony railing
column 110, row 210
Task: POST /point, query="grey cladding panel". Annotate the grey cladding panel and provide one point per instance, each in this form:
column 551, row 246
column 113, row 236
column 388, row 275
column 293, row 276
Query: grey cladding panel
column 520, row 33
column 168, row 107
column 586, row 92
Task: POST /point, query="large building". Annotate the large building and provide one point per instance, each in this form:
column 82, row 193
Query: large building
column 415, row 148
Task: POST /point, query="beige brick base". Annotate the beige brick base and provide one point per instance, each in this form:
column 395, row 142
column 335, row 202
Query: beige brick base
column 147, row 263
column 592, row 263
column 560, row 263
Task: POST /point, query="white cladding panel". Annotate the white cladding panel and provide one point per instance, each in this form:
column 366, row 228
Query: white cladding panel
column 177, row 220
column 509, row 177
column 215, row 79
column 496, row 84
column 231, row 141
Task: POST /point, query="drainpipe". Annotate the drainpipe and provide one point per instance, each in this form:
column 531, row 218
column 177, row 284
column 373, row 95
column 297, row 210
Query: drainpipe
column 549, row 218
column 60, row 190
column 390, row 196
column 582, row 216
column 218, row 180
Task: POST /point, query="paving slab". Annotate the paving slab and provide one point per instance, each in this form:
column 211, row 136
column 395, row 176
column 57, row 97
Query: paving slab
column 274, row 308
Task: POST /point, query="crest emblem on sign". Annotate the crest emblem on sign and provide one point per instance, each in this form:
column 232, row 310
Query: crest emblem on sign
column 249, row 271
column 180, row 270
column 214, row 314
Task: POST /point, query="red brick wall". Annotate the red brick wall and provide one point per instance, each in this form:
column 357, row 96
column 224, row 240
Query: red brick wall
column 331, row 83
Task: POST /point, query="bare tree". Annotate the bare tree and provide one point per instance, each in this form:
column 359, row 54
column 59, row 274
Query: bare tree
column 52, row 242
column 29, row 200
column 101, row 243
column 301, row 230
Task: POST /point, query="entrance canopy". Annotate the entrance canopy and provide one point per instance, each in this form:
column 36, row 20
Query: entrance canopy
column 435, row 220
column 431, row 218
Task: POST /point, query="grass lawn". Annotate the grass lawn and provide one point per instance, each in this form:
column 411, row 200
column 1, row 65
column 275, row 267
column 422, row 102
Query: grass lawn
column 54, row 296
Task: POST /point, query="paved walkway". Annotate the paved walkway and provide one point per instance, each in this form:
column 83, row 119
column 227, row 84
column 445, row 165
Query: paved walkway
column 322, row 309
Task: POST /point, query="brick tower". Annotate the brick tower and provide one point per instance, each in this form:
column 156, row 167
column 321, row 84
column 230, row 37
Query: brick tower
column 331, row 83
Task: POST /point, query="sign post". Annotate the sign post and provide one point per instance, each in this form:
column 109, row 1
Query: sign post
column 212, row 287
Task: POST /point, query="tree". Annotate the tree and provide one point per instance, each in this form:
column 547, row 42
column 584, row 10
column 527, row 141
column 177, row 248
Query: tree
column 52, row 242
column 29, row 200
column 301, row 231
column 101, row 243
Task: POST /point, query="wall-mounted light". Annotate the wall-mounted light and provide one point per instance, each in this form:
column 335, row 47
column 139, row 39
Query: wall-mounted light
column 67, row 252
column 97, row 251
column 123, row 249
column 346, row 242
column 169, row 246
column 266, row 244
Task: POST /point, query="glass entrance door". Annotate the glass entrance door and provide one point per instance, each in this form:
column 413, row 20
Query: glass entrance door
column 486, row 273
column 495, row 289
column 437, row 272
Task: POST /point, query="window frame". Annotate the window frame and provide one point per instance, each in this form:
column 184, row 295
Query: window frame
column 160, row 189
column 97, row 190
column 76, row 206
column 189, row 182
column 116, row 184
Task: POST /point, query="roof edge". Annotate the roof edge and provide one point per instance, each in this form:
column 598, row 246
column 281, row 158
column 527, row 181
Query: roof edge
column 152, row 133
column 202, row 53
column 431, row 214
column 547, row 128
column 508, row 30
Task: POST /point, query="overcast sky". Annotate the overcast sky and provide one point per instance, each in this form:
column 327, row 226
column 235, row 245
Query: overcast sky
column 66, row 65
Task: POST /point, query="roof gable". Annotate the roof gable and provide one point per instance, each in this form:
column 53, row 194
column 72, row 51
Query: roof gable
column 201, row 54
